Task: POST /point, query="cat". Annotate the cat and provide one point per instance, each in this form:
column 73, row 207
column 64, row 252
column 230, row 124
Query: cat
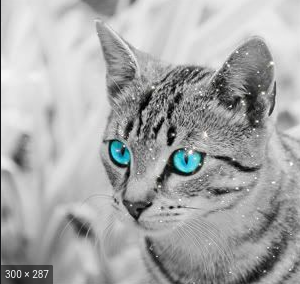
column 196, row 162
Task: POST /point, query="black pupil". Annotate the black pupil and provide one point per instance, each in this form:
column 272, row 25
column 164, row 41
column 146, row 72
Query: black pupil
column 122, row 150
column 186, row 157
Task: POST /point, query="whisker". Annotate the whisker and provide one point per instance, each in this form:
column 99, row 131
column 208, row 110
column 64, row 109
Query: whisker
column 96, row 195
column 82, row 226
column 87, row 233
column 215, row 237
column 191, row 207
column 189, row 252
column 66, row 226
column 201, row 209
column 211, row 235
column 200, row 246
column 99, row 246
column 173, row 251
column 191, row 226
column 106, row 233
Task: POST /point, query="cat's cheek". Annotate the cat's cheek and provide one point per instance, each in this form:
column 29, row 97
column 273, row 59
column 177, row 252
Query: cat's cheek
column 113, row 175
column 180, row 187
column 172, row 188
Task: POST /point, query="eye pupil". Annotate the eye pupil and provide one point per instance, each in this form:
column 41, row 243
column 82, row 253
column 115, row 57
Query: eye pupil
column 123, row 150
column 119, row 153
column 186, row 158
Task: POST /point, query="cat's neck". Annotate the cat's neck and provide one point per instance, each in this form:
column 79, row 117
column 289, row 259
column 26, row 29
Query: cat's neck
column 176, row 259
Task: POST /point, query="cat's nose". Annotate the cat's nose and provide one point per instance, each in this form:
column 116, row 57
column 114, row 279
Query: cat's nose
column 135, row 209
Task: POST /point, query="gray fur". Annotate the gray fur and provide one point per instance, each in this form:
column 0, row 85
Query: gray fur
column 237, row 219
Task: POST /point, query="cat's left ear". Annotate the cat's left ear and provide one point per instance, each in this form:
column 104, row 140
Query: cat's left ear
column 120, row 58
column 246, row 81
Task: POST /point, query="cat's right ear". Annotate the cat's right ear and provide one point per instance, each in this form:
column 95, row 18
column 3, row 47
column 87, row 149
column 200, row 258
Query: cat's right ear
column 246, row 81
column 121, row 62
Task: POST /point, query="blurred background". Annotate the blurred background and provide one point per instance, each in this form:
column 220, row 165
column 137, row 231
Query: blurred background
column 54, row 208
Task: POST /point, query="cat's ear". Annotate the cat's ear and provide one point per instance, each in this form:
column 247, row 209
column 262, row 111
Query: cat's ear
column 246, row 80
column 120, row 58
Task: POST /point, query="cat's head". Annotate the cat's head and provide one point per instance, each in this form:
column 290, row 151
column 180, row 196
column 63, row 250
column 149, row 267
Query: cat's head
column 184, row 139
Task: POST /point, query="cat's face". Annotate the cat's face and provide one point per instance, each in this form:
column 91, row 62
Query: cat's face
column 183, row 140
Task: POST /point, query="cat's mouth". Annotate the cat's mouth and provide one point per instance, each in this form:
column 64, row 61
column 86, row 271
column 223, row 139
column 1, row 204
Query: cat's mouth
column 157, row 225
column 149, row 218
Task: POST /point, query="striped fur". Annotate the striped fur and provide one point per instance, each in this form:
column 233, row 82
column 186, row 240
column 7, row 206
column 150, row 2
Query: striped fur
column 237, row 219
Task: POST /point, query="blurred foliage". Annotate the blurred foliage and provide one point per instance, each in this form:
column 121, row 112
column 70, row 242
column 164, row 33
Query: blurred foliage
column 54, row 110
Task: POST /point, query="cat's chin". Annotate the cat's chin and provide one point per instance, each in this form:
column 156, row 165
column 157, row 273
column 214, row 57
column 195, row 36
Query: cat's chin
column 156, row 228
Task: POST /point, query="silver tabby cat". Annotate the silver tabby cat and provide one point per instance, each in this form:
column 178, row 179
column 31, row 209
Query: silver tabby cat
column 196, row 161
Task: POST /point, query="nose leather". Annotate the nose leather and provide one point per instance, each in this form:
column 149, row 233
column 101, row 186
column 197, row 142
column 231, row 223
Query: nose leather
column 135, row 209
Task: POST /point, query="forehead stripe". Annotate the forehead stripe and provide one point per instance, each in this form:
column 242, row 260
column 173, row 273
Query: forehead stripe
column 157, row 128
column 171, row 135
column 128, row 129
column 158, row 104
column 144, row 103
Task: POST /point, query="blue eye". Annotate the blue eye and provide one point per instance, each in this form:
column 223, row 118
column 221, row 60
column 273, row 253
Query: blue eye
column 119, row 153
column 186, row 162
